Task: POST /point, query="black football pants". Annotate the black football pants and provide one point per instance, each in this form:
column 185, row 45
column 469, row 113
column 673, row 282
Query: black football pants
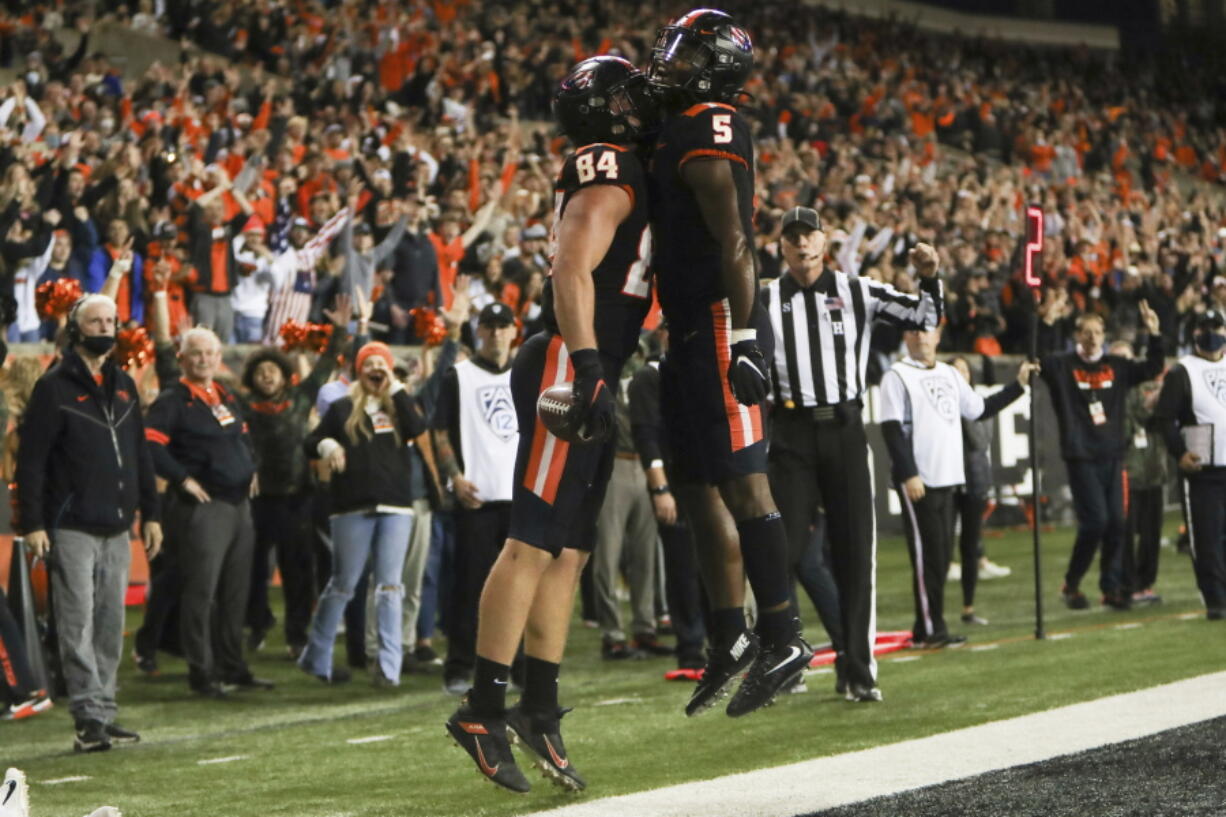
column 829, row 460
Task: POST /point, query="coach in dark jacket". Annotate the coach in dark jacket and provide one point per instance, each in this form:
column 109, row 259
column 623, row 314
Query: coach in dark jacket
column 201, row 447
column 1089, row 391
column 83, row 470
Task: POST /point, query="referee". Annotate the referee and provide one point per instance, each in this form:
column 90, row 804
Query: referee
column 1193, row 402
column 822, row 320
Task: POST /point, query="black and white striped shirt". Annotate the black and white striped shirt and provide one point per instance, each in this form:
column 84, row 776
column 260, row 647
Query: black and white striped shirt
column 822, row 332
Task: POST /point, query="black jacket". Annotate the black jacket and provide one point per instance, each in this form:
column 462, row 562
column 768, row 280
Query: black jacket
column 377, row 468
column 189, row 440
column 83, row 463
column 1077, row 386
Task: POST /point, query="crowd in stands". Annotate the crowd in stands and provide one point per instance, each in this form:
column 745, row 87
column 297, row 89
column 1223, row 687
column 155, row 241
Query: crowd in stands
column 298, row 150
column 431, row 111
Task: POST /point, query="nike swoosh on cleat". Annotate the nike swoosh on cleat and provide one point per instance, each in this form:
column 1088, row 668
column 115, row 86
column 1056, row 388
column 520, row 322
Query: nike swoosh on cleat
column 500, row 683
column 558, row 761
column 486, row 768
column 795, row 651
column 12, row 788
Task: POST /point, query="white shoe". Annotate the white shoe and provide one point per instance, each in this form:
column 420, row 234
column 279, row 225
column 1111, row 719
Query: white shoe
column 955, row 572
column 14, row 796
column 990, row 570
column 105, row 811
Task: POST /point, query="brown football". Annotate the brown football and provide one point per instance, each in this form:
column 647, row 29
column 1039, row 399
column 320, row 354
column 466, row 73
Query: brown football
column 556, row 408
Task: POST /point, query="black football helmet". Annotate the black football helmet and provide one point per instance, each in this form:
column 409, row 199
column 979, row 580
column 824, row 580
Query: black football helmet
column 604, row 99
column 703, row 55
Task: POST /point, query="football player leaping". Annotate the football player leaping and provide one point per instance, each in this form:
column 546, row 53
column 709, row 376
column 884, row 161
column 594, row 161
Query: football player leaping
column 715, row 375
column 595, row 302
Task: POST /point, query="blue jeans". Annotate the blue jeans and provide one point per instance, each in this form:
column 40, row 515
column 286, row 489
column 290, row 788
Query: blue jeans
column 247, row 328
column 15, row 335
column 354, row 537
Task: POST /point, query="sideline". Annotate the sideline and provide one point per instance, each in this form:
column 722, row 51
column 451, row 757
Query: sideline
column 825, row 783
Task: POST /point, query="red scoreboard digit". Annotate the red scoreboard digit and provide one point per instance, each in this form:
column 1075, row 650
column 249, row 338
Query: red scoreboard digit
column 1034, row 245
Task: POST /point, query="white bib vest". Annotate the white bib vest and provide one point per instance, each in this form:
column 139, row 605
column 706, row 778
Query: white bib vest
column 489, row 430
column 931, row 413
column 1208, row 381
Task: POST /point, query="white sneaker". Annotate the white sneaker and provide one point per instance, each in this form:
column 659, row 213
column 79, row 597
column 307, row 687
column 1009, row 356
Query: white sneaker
column 990, row 570
column 955, row 572
column 14, row 796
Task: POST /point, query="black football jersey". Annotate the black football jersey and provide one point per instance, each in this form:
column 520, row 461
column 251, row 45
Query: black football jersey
column 623, row 276
column 687, row 256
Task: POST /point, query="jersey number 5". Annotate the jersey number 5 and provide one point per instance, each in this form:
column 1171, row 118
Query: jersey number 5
column 721, row 124
column 588, row 165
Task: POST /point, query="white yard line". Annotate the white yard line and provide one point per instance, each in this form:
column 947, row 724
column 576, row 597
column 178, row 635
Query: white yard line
column 371, row 739
column 828, row 782
column 229, row 759
column 59, row 780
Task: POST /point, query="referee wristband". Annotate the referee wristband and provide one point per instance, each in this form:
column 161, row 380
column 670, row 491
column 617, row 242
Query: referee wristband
column 659, row 489
column 735, row 336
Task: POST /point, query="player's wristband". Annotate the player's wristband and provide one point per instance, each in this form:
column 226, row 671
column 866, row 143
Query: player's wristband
column 659, row 489
column 738, row 335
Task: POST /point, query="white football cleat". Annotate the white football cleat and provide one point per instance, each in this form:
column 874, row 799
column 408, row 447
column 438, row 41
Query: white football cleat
column 105, row 811
column 14, row 796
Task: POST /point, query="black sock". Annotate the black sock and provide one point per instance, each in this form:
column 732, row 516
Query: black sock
column 726, row 625
column 776, row 627
column 488, row 697
column 540, row 686
column 764, row 550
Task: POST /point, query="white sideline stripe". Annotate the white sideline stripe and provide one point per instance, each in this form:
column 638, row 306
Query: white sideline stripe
column 1132, row 625
column 74, row 779
column 904, row 659
column 213, row 760
column 1059, row 636
column 371, row 739
column 984, row 647
column 616, row 701
column 829, row 782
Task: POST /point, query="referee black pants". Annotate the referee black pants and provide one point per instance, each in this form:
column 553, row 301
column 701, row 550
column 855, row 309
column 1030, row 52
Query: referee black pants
column 829, row 460
column 1206, row 506
column 929, row 523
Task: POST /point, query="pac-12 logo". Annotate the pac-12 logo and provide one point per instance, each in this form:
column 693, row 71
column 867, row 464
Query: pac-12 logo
column 942, row 396
column 498, row 411
column 1215, row 379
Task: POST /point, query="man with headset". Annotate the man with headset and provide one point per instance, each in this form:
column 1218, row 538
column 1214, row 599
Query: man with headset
column 83, row 470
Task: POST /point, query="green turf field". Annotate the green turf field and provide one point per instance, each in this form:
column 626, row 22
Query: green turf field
column 288, row 752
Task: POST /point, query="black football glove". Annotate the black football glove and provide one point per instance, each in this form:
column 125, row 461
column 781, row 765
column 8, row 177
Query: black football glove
column 747, row 373
column 594, row 402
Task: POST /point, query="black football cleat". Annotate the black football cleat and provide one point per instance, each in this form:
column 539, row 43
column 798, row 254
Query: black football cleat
column 119, row 734
column 724, row 666
column 485, row 740
column 542, row 738
column 774, row 669
column 91, row 737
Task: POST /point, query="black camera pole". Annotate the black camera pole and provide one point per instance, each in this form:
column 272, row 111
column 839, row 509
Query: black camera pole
column 1032, row 259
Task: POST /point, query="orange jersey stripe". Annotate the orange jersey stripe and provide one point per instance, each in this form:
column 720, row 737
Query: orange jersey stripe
column 744, row 422
column 694, row 110
column 711, row 153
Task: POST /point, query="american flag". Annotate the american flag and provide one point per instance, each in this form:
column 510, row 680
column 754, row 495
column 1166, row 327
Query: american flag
column 294, row 278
